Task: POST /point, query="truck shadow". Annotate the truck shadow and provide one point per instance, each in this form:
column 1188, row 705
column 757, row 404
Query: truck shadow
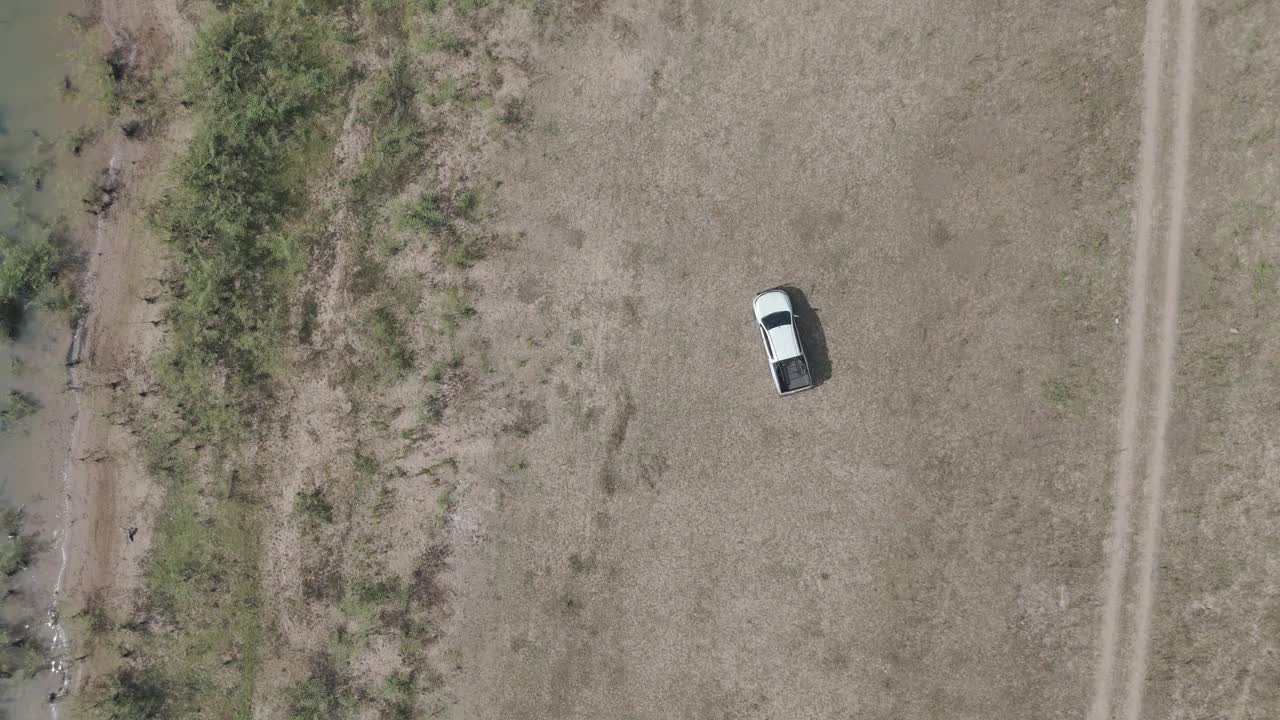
column 811, row 334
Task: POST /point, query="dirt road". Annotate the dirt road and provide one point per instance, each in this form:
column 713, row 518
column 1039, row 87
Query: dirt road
column 1149, row 528
column 1118, row 543
column 1158, row 460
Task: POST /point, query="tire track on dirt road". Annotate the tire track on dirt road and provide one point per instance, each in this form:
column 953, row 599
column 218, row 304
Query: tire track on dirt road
column 1157, row 460
column 1153, row 62
column 1149, row 530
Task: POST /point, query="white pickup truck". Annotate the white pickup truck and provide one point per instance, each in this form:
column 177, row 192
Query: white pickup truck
column 781, row 336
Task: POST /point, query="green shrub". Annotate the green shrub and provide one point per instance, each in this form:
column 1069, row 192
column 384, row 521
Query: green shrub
column 435, row 39
column 258, row 79
column 388, row 162
column 17, row 548
column 424, row 215
column 25, row 270
column 390, row 358
column 77, row 139
column 398, row 141
column 467, row 205
column 399, row 693
column 462, row 254
column 446, row 91
column 310, row 318
column 325, row 694
column 389, row 99
column 364, row 465
column 1059, row 394
column 431, row 409
column 466, row 7
column 135, row 693
column 14, row 408
column 21, row 654
column 454, row 310
column 312, row 508
column 514, row 114
column 438, row 368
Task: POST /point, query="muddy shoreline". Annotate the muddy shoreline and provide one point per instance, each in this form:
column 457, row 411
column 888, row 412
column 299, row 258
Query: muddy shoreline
column 108, row 499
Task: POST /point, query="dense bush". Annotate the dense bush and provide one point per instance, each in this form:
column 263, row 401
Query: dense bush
column 25, row 270
column 257, row 80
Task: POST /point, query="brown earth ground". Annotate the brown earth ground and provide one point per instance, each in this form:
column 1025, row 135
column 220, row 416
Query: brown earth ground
column 585, row 493
column 921, row 535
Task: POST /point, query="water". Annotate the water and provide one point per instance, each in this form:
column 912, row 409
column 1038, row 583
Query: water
column 43, row 182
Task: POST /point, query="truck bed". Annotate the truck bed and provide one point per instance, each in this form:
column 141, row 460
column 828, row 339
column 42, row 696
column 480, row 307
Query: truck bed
column 793, row 374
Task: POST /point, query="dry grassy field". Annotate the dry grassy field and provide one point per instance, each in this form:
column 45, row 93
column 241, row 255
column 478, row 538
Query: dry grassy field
column 952, row 188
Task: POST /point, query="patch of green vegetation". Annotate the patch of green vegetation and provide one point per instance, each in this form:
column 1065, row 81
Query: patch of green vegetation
column 389, row 98
column 466, row 7
column 311, row 507
column 1059, row 394
column 135, row 692
column 122, row 86
column 389, row 15
column 398, row 137
column 445, row 92
column 436, row 39
column 390, row 244
column 1263, row 272
column 16, row 407
column 95, row 618
column 1093, row 243
column 453, row 310
column 390, row 358
column 17, row 547
column 22, row 654
column 258, row 80
column 431, row 409
column 310, row 317
column 63, row 300
column 25, row 270
column 364, row 465
column 201, row 581
column 467, row 205
column 514, row 113
column 446, row 501
column 462, row 254
column 424, row 215
column 438, row 368
column 328, row 691
column 82, row 137
column 399, row 695
column 388, row 162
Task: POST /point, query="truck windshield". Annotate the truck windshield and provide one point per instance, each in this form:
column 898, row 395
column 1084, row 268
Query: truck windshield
column 778, row 319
